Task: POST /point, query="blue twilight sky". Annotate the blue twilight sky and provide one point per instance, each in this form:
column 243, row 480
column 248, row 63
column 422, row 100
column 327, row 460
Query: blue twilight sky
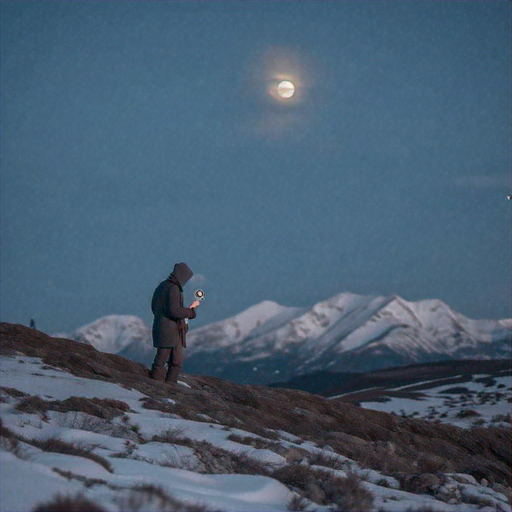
column 137, row 134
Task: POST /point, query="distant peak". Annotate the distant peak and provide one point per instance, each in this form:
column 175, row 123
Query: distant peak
column 267, row 303
column 263, row 309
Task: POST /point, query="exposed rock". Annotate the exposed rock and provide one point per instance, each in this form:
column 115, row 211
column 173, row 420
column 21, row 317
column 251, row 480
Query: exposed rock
column 426, row 483
column 294, row 455
column 464, row 479
column 99, row 369
column 503, row 489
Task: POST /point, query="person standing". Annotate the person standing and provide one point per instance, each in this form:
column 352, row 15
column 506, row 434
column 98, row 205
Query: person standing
column 169, row 325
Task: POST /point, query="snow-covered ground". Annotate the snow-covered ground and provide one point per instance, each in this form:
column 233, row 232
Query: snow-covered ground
column 135, row 455
column 484, row 400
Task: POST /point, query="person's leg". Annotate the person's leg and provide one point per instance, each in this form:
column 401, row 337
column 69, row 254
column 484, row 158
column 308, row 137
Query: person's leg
column 158, row 367
column 175, row 364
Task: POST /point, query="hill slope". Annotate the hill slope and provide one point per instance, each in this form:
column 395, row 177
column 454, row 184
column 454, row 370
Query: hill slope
column 90, row 424
column 463, row 393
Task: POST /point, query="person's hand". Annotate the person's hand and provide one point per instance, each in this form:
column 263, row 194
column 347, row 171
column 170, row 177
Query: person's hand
column 194, row 304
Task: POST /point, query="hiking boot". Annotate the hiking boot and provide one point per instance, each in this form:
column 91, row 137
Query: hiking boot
column 156, row 375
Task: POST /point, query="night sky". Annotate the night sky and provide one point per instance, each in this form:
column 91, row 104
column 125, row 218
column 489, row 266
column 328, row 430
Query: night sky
column 135, row 135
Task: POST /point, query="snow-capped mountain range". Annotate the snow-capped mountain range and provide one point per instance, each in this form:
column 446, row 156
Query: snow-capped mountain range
column 126, row 335
column 270, row 342
column 348, row 332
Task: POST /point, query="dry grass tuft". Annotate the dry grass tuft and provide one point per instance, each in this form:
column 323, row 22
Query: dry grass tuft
column 172, row 436
column 213, row 459
column 297, row 504
column 349, row 494
column 66, row 503
column 157, row 405
column 467, row 413
column 324, row 488
column 255, row 442
column 144, row 497
column 9, row 440
column 5, row 431
column 322, row 459
column 139, row 499
column 101, row 408
column 501, row 417
column 58, row 446
column 88, row 482
column 430, row 463
column 246, row 396
column 219, row 461
column 32, row 405
column 16, row 393
column 295, row 475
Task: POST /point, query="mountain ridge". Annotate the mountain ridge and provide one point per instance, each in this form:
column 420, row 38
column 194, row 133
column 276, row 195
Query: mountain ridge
column 348, row 332
column 269, row 342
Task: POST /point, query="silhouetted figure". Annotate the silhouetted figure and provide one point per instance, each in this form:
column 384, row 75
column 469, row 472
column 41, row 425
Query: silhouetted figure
column 32, row 323
column 169, row 326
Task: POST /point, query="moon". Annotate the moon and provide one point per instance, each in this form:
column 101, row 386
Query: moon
column 285, row 89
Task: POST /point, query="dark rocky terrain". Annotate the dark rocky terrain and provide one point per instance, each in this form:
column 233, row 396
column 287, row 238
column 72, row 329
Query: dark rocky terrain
column 452, row 372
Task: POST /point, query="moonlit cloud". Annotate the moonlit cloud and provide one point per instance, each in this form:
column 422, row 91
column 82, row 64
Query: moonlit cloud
column 272, row 115
column 286, row 65
column 501, row 181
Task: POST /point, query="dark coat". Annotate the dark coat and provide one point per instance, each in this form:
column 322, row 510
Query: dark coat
column 169, row 327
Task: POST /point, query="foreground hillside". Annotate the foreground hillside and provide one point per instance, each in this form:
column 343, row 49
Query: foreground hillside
column 93, row 428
